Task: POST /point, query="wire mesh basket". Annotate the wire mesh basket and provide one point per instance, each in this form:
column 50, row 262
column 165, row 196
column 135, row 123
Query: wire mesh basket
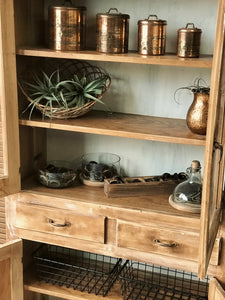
column 67, row 69
column 84, row 271
column 140, row 281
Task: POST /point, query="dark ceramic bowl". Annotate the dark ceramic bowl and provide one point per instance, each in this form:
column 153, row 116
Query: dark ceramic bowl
column 57, row 174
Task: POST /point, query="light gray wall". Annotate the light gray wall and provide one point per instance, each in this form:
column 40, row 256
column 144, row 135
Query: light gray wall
column 144, row 89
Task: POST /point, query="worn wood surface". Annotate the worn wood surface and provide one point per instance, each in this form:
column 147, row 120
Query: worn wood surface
column 131, row 189
column 85, row 199
column 124, row 125
column 8, row 99
column 211, row 180
column 61, row 222
column 216, row 292
column 205, row 61
column 11, row 284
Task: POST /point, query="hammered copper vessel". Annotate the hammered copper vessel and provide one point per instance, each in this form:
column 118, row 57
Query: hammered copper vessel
column 66, row 27
column 197, row 114
column 152, row 36
column 188, row 41
column 112, row 32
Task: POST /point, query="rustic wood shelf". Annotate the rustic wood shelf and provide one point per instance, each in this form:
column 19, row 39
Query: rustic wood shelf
column 205, row 61
column 123, row 125
column 79, row 193
column 32, row 284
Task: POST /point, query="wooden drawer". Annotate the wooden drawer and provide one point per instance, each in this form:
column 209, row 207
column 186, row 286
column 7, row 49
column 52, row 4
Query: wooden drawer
column 60, row 222
column 181, row 244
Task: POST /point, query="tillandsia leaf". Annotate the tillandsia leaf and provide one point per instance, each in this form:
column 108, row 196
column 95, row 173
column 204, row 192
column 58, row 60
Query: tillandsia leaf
column 83, row 81
column 63, row 100
column 93, row 98
column 58, row 76
column 97, row 83
column 76, row 78
column 56, row 99
column 77, row 84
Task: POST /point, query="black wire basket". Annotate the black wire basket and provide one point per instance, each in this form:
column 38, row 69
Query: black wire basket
column 84, row 271
column 140, row 281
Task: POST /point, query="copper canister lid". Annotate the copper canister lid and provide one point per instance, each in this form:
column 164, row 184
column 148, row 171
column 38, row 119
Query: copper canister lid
column 190, row 29
column 117, row 14
column 152, row 20
column 67, row 8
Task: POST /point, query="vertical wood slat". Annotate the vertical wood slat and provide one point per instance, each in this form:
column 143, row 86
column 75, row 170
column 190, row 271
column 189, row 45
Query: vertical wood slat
column 2, row 221
column 211, row 185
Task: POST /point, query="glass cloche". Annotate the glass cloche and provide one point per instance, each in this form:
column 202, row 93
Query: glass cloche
column 187, row 195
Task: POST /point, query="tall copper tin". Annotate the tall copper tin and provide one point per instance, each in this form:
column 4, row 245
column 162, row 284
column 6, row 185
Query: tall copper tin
column 112, row 32
column 188, row 41
column 66, row 27
column 152, row 36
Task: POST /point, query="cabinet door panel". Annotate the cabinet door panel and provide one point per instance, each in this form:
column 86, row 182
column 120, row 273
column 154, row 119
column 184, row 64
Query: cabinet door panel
column 9, row 128
column 216, row 292
column 214, row 151
column 11, row 283
column 60, row 222
column 9, row 132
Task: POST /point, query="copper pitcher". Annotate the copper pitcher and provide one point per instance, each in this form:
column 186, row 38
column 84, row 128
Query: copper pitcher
column 197, row 114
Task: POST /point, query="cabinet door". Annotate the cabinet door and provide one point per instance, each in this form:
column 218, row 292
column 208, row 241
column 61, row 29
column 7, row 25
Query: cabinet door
column 9, row 128
column 216, row 292
column 11, row 283
column 215, row 150
column 9, row 131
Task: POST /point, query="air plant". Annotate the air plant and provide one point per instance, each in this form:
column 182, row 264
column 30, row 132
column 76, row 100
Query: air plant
column 199, row 86
column 56, row 94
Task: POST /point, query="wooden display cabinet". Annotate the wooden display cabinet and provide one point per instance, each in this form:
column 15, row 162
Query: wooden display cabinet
column 80, row 217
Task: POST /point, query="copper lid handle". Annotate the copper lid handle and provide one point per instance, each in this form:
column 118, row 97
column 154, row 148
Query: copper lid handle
column 69, row 2
column 108, row 12
column 152, row 16
column 190, row 24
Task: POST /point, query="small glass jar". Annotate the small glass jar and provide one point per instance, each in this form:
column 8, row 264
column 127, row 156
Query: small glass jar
column 187, row 195
column 98, row 166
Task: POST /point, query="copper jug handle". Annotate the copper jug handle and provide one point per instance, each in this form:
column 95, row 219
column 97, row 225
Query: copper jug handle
column 192, row 24
column 108, row 12
column 152, row 16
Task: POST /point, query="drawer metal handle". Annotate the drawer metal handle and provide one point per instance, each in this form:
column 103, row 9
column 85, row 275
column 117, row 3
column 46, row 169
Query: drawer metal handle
column 165, row 244
column 52, row 222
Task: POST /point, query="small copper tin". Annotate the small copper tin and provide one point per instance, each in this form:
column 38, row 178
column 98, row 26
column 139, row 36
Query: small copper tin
column 66, row 27
column 112, row 32
column 152, row 36
column 188, row 41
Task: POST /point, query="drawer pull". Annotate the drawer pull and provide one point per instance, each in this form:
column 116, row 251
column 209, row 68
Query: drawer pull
column 166, row 245
column 52, row 222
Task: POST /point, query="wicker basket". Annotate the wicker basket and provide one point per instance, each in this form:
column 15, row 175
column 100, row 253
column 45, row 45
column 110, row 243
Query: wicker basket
column 67, row 69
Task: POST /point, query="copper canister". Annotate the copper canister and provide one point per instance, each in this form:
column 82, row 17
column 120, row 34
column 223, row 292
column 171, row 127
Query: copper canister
column 151, row 36
column 112, row 32
column 188, row 41
column 66, row 27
